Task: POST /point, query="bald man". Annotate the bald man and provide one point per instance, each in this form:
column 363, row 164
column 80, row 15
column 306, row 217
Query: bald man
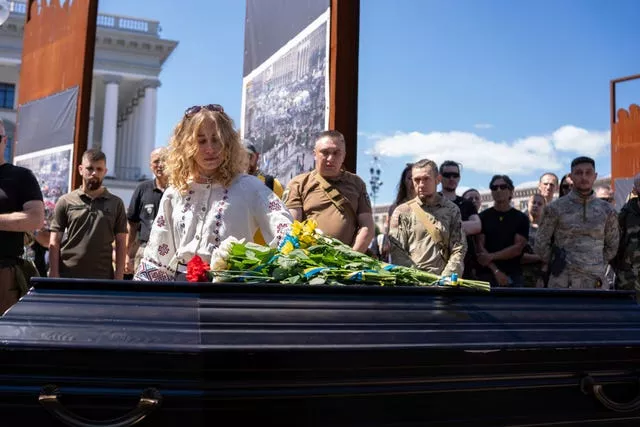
column 336, row 199
column 143, row 209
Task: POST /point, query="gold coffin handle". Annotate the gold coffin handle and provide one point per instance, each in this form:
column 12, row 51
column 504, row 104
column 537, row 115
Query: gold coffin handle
column 149, row 401
column 588, row 386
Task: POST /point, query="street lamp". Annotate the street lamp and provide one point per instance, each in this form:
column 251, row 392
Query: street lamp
column 375, row 182
column 4, row 11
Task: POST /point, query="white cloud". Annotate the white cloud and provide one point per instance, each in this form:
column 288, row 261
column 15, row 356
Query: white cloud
column 519, row 157
column 578, row 140
column 483, row 126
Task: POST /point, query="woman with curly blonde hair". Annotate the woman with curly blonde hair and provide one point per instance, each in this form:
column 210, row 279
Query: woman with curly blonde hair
column 209, row 197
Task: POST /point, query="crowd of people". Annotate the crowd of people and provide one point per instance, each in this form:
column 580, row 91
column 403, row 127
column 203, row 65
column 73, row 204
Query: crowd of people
column 207, row 186
column 569, row 237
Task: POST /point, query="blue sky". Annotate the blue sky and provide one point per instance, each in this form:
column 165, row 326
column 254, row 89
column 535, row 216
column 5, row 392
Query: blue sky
column 502, row 86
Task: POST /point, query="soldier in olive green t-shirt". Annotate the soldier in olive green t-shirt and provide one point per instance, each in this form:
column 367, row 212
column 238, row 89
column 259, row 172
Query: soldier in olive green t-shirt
column 92, row 218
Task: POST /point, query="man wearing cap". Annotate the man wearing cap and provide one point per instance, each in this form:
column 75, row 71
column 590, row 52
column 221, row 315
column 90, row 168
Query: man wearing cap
column 268, row 180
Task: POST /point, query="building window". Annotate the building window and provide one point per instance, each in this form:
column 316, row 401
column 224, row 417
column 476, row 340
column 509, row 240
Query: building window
column 7, row 94
column 7, row 151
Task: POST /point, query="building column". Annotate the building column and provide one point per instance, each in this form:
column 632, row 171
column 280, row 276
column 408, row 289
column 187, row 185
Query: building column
column 132, row 157
column 126, row 148
column 16, row 90
column 148, row 124
column 119, row 137
column 91, row 142
column 110, row 122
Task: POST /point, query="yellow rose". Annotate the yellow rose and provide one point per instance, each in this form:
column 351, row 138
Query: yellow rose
column 310, row 226
column 296, row 228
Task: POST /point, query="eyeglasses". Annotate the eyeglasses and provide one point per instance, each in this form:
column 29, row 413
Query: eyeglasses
column 499, row 186
column 197, row 108
column 451, row 175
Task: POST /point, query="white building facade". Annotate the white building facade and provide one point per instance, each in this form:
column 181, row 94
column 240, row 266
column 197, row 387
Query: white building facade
column 129, row 57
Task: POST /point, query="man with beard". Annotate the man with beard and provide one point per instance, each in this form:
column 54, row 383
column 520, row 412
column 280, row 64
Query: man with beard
column 143, row 209
column 579, row 233
column 92, row 219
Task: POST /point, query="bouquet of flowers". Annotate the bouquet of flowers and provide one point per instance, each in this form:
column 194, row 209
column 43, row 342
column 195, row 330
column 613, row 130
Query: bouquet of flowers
column 306, row 255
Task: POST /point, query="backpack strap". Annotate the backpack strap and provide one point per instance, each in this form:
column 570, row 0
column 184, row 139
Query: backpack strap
column 428, row 221
column 338, row 200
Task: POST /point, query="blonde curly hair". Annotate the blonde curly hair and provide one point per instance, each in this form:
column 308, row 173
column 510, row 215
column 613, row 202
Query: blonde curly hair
column 183, row 148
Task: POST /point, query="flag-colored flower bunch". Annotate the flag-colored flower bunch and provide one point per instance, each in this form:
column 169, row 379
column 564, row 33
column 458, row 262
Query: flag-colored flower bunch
column 306, row 255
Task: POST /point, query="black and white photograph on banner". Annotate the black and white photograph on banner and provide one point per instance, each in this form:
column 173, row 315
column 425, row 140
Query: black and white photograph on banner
column 285, row 102
column 52, row 168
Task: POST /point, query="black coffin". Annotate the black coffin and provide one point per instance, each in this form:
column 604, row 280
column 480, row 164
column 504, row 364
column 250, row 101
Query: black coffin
column 96, row 353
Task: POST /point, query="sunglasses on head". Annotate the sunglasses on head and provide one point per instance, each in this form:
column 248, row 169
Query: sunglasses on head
column 451, row 175
column 197, row 108
column 499, row 186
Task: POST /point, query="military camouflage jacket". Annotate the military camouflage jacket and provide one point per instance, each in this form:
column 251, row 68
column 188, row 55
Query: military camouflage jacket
column 413, row 246
column 627, row 262
column 585, row 227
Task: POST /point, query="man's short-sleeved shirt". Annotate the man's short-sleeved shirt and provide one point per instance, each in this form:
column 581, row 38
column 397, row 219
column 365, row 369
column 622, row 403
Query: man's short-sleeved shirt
column 500, row 229
column 143, row 207
column 305, row 192
column 91, row 225
column 18, row 186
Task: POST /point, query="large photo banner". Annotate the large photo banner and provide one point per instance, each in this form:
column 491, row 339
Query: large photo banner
column 285, row 88
column 46, row 129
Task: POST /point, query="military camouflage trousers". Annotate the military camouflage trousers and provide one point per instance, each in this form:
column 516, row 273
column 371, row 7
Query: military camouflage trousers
column 571, row 279
column 627, row 280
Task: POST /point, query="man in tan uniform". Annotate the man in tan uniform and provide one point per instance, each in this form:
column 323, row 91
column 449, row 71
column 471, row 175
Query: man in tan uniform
column 426, row 232
column 336, row 199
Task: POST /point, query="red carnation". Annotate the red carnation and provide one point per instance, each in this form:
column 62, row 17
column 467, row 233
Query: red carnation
column 197, row 270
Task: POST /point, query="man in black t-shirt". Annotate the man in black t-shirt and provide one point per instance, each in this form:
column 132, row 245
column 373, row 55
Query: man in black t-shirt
column 505, row 232
column 21, row 210
column 143, row 209
column 471, row 224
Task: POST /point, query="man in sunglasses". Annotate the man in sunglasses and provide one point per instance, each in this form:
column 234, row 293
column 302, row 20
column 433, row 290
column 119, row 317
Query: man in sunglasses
column 471, row 224
column 579, row 230
column 21, row 211
column 505, row 233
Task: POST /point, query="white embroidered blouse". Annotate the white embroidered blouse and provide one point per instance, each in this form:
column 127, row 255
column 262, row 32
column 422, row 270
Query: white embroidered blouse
column 197, row 222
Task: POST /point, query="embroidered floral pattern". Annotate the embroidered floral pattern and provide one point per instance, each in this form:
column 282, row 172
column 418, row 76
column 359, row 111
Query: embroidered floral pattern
column 160, row 222
column 274, row 205
column 186, row 207
column 220, row 209
column 148, row 271
column 163, row 249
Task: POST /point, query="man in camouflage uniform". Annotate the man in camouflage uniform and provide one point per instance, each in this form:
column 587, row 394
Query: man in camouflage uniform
column 438, row 248
column 582, row 227
column 627, row 262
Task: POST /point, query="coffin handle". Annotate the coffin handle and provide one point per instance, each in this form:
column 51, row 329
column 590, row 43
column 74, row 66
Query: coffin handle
column 589, row 386
column 150, row 400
